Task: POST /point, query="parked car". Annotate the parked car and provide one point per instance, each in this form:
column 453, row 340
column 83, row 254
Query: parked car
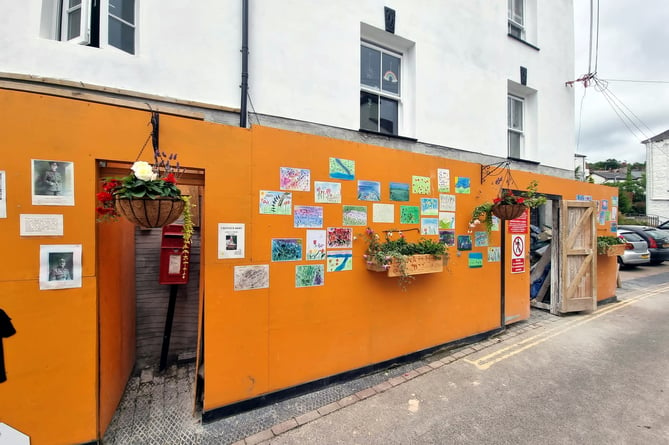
column 664, row 225
column 636, row 250
column 658, row 241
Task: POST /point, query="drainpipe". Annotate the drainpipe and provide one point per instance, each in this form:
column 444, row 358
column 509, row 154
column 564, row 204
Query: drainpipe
column 245, row 63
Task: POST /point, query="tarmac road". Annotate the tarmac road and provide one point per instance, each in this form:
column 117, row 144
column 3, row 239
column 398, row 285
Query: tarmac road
column 599, row 378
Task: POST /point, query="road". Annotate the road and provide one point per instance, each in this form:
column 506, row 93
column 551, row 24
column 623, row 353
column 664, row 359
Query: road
column 599, row 378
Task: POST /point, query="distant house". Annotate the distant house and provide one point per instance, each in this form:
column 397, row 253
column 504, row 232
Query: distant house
column 657, row 182
column 614, row 176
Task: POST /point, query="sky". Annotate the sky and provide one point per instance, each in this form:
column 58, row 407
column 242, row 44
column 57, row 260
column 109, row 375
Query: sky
column 633, row 45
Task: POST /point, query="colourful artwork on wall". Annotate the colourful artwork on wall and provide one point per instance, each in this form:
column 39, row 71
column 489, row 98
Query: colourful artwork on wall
column 447, row 237
column 251, row 277
column 309, row 275
column 286, row 249
column 342, row 169
column 383, row 213
column 464, row 242
column 420, row 185
column 275, row 203
column 447, row 203
column 601, row 217
column 399, row 191
column 475, row 259
column 354, row 215
column 447, row 220
column 462, row 185
column 340, row 260
column 614, row 213
column 494, row 254
column 340, row 238
column 369, row 191
column 443, row 180
column 327, row 192
column 605, row 204
column 409, row 215
column 429, row 226
column 495, row 224
column 316, row 245
column 614, row 201
column 429, row 206
column 297, row 179
column 614, row 227
column 308, row 217
column 480, row 239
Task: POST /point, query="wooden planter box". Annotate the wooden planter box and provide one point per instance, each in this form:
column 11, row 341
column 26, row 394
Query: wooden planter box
column 416, row 265
column 615, row 250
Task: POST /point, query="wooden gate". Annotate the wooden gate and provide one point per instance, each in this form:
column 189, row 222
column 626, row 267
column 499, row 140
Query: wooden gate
column 579, row 249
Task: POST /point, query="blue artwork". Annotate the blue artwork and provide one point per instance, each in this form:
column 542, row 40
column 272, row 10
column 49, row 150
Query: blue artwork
column 286, row 249
column 480, row 239
column 429, row 206
column 342, row 168
column 399, row 191
column 464, row 242
column 369, row 191
column 308, row 217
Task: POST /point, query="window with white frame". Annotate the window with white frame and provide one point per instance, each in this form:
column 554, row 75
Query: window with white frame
column 515, row 134
column 516, row 16
column 380, row 89
column 98, row 23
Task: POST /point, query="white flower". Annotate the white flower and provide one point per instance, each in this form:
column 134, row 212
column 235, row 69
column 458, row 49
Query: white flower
column 143, row 171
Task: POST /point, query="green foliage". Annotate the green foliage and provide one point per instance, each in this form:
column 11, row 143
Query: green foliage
column 604, row 241
column 133, row 187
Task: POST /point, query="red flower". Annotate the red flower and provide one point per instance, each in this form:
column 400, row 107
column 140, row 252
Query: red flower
column 104, row 196
column 110, row 185
column 170, row 178
column 520, row 200
column 496, row 200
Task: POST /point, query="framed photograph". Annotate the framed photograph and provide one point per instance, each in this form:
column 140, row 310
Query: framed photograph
column 60, row 266
column 52, row 182
column 3, row 195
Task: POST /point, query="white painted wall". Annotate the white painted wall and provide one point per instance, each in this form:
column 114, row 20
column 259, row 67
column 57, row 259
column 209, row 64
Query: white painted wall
column 304, row 63
column 657, row 180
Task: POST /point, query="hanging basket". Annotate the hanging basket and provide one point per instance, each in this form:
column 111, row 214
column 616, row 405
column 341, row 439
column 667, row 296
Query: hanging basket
column 508, row 211
column 149, row 213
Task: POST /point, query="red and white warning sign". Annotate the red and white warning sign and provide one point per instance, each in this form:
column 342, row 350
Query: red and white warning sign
column 517, row 253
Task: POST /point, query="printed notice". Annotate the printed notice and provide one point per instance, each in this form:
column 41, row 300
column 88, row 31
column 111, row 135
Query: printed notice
column 230, row 240
column 41, row 225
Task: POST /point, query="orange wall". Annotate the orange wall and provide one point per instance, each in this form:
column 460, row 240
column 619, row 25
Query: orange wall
column 607, row 271
column 256, row 341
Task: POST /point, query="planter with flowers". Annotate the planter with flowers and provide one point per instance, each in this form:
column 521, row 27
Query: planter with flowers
column 148, row 197
column 610, row 246
column 400, row 258
column 507, row 206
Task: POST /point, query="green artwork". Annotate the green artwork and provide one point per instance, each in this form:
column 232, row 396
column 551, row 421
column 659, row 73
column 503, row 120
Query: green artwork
column 409, row 214
column 342, row 169
column 399, row 191
column 309, row 275
column 420, row 185
column 355, row 216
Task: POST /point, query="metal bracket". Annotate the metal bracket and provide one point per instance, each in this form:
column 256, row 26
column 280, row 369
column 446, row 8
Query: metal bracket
column 500, row 170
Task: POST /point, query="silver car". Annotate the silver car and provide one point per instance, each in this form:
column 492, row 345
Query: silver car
column 636, row 250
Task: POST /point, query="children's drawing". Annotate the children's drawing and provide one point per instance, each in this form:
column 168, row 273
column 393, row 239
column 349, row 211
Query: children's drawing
column 383, row 213
column 480, row 239
column 429, row 206
column 605, row 204
column 340, row 238
column 447, row 220
column 602, row 217
column 298, row 179
column 444, row 180
column 614, row 213
column 462, row 184
column 354, row 215
column 420, row 185
column 286, row 249
column 614, row 227
column 309, row 275
column 327, row 192
column 494, row 254
column 409, row 215
column 475, row 259
column 399, row 191
column 447, row 203
column 275, row 203
column 342, row 169
column 614, row 201
column 315, row 249
column 464, row 242
column 369, row 191
column 447, row 237
column 429, row 226
column 339, row 260
column 308, row 217
column 251, row 277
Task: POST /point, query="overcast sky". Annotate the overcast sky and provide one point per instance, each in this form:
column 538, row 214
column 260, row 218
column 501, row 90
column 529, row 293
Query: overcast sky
column 633, row 45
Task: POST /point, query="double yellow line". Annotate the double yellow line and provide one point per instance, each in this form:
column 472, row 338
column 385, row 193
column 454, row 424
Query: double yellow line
column 487, row 361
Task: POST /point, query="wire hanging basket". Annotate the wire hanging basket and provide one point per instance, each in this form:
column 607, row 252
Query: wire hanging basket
column 508, row 211
column 150, row 213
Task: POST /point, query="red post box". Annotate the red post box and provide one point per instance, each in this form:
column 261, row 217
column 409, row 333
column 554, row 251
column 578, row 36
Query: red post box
column 173, row 268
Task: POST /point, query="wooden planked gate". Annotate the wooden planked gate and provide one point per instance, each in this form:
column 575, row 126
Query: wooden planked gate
column 578, row 272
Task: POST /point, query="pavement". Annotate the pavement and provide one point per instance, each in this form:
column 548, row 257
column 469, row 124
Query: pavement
column 158, row 408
